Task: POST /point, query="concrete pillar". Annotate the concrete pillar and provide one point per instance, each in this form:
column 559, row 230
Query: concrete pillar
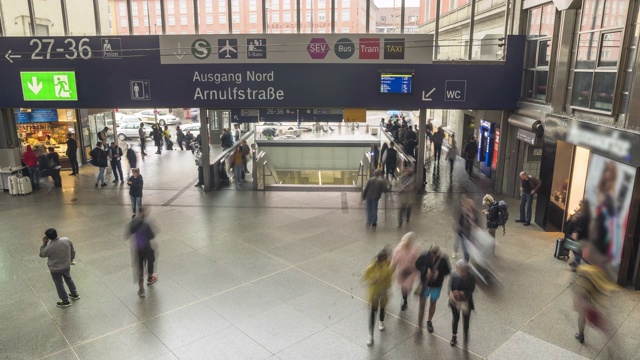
column 204, row 159
column 9, row 143
column 422, row 133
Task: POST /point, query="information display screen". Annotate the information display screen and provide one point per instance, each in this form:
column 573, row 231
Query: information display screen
column 396, row 83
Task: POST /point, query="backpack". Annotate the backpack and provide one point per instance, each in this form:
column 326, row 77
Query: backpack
column 503, row 215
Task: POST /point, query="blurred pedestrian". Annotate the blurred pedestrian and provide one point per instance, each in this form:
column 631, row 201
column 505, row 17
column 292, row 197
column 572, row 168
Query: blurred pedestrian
column 492, row 213
column 135, row 183
column 72, row 153
column 452, row 154
column 179, row 137
column 43, row 167
column 433, row 266
column 470, row 153
column 53, row 161
column 378, row 277
column 30, row 159
column 142, row 132
column 404, row 260
column 60, row 255
column 188, row 140
column 528, row 188
column 166, row 135
column 237, row 133
column 99, row 159
column 103, row 136
column 246, row 156
column 437, row 139
column 156, row 133
column 468, row 219
column 461, row 287
column 115, row 154
column 144, row 254
column 372, row 193
column 406, row 194
column 375, row 157
column 132, row 158
column 226, row 140
column 238, row 165
column 591, row 293
column 577, row 229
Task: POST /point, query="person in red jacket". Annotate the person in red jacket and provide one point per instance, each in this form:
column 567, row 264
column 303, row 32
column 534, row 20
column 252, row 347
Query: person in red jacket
column 31, row 161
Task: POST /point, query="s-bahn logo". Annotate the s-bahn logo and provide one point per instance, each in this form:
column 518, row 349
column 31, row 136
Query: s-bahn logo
column 201, row 49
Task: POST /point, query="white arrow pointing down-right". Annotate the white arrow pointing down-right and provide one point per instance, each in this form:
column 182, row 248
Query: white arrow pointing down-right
column 34, row 85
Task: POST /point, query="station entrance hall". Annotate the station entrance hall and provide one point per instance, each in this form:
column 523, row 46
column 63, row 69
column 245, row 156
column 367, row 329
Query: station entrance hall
column 363, row 179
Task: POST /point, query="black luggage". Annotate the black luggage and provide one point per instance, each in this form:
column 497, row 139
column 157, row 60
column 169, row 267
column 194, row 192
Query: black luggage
column 561, row 251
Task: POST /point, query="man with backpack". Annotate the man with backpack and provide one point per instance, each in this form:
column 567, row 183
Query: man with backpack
column 497, row 214
column 99, row 159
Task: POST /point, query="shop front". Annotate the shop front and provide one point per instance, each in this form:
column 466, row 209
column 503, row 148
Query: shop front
column 47, row 128
column 597, row 165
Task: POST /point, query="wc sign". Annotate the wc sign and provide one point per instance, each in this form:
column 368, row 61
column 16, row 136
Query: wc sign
column 455, row 90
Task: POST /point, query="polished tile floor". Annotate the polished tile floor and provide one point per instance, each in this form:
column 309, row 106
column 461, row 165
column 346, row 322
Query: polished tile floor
column 275, row 275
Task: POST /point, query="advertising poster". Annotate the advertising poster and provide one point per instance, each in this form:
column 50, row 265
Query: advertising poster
column 608, row 190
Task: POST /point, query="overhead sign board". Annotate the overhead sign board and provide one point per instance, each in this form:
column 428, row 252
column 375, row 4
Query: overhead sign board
column 49, row 85
column 296, row 49
column 120, row 74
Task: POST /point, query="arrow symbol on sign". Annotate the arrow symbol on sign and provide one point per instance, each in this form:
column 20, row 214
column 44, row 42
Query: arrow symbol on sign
column 9, row 56
column 180, row 54
column 34, row 85
column 426, row 97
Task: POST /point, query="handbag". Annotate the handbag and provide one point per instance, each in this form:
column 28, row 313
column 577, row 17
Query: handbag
column 463, row 306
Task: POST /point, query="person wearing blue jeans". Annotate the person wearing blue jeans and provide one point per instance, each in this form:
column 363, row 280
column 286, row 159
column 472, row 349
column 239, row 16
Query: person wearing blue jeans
column 60, row 255
column 99, row 159
column 372, row 193
column 135, row 183
column 529, row 187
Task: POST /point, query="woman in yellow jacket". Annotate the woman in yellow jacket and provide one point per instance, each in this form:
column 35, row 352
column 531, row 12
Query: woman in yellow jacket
column 379, row 277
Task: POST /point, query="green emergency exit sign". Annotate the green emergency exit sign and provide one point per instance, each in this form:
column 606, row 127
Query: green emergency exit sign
column 49, row 85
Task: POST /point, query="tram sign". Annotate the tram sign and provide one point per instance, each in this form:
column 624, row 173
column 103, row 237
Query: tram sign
column 49, row 85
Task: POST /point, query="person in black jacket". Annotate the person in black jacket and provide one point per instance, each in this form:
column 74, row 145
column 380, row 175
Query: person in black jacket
column 461, row 287
column 135, row 183
column 577, row 228
column 433, row 266
column 470, row 153
column 99, row 159
column 53, row 162
column 157, row 137
column 72, row 153
column 144, row 252
column 115, row 154
column 225, row 139
column 390, row 161
column 493, row 214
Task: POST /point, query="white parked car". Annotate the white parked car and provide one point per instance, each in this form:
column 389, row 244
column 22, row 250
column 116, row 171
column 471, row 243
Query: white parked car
column 148, row 117
column 126, row 119
column 130, row 131
column 194, row 128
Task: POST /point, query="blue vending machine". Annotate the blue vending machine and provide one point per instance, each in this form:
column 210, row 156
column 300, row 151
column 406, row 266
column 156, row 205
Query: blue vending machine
column 485, row 146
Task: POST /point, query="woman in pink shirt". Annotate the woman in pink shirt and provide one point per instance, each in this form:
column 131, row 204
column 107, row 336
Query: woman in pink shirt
column 404, row 259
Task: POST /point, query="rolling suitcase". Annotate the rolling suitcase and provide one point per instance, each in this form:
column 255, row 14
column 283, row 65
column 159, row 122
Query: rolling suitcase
column 13, row 185
column 561, row 251
column 24, row 186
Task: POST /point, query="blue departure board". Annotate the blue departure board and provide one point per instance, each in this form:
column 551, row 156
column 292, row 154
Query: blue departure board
column 396, row 83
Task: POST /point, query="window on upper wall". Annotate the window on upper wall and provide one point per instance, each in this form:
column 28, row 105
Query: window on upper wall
column 172, row 20
column 538, row 54
column 345, row 15
column 597, row 54
column 183, row 6
column 209, row 19
column 171, row 7
column 252, row 5
column 183, row 20
column 222, row 18
column 123, row 9
column 253, row 18
column 134, row 9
